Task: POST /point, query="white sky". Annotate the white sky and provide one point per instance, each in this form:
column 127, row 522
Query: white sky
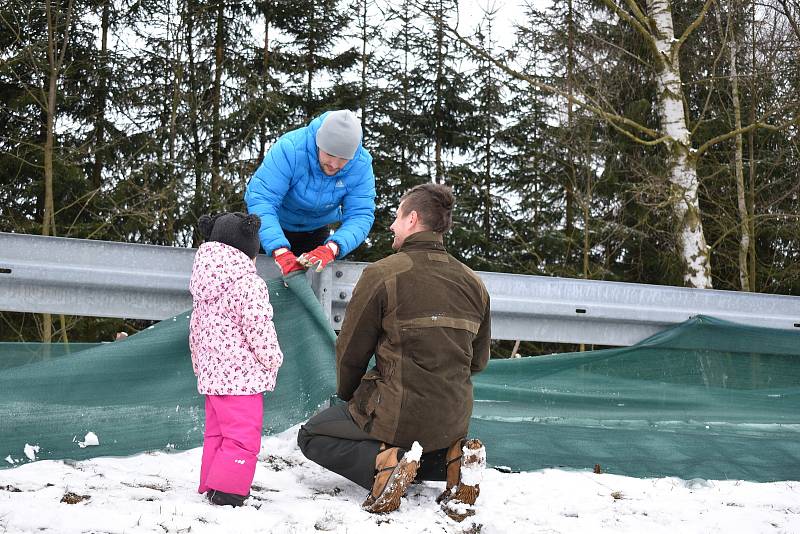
column 508, row 12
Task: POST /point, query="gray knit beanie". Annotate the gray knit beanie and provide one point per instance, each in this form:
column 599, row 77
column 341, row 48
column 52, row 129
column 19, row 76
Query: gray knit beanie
column 340, row 134
column 237, row 230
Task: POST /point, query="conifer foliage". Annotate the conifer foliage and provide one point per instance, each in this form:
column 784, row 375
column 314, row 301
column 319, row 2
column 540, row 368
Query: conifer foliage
column 126, row 121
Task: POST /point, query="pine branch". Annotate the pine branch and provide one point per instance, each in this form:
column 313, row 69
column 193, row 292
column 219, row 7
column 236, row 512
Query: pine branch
column 647, row 34
column 18, row 38
column 610, row 117
column 691, row 28
column 713, row 85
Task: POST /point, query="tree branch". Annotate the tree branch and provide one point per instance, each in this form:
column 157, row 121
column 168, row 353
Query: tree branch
column 691, row 28
column 63, row 51
column 638, row 13
column 787, row 12
column 758, row 124
column 648, row 36
column 713, row 71
column 610, row 117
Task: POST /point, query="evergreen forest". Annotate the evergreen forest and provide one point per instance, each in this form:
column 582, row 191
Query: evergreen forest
column 649, row 141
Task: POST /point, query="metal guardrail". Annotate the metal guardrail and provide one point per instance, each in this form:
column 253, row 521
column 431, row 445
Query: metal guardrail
column 104, row 279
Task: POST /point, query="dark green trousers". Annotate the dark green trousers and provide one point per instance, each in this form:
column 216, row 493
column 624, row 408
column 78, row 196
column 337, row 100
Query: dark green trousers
column 333, row 440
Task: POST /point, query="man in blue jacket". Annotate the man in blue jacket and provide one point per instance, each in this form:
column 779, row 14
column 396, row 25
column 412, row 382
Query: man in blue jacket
column 310, row 178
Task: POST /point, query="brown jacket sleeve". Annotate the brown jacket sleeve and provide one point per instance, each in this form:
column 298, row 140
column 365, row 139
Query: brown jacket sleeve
column 360, row 332
column 482, row 342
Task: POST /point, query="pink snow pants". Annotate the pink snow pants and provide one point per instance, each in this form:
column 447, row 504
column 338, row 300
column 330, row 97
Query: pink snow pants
column 231, row 442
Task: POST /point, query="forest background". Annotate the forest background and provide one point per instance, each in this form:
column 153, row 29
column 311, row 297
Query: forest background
column 641, row 141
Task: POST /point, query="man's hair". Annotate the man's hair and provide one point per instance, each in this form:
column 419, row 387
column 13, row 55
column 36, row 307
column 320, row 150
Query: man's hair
column 433, row 204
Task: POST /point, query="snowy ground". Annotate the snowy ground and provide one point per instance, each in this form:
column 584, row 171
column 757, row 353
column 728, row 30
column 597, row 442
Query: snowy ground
column 156, row 493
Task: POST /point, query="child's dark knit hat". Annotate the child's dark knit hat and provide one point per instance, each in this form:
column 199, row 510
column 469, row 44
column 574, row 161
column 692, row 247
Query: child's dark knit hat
column 238, row 230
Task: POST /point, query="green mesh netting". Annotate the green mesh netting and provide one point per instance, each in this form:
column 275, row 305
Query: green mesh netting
column 707, row 398
column 141, row 394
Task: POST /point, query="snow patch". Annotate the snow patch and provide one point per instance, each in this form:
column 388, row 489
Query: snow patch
column 457, row 507
column 9, row 459
column 30, row 451
column 415, row 453
column 157, row 492
column 89, row 441
column 473, row 465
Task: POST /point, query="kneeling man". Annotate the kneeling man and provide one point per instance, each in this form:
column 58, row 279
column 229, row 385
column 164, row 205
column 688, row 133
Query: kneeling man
column 425, row 317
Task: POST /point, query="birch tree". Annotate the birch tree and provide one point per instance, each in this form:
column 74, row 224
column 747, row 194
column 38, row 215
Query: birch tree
column 682, row 164
column 654, row 25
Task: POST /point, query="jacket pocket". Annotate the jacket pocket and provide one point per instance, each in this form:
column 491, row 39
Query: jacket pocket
column 367, row 396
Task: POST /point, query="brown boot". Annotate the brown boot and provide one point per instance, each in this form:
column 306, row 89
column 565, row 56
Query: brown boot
column 466, row 460
column 392, row 478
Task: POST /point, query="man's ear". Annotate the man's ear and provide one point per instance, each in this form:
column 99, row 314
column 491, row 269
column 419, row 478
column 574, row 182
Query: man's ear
column 413, row 217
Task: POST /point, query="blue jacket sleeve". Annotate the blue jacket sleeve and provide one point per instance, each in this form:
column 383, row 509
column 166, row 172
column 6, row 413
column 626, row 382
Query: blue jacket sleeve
column 265, row 192
column 358, row 214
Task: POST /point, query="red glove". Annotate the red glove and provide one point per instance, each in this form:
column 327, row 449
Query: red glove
column 286, row 261
column 319, row 257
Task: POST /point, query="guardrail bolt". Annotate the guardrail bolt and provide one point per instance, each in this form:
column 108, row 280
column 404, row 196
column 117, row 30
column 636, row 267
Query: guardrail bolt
column 342, row 295
column 337, row 318
column 339, row 274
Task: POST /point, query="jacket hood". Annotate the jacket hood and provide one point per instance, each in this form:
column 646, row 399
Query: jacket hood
column 216, row 268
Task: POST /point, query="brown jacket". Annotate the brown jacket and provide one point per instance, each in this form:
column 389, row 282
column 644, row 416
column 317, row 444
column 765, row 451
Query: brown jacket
column 425, row 316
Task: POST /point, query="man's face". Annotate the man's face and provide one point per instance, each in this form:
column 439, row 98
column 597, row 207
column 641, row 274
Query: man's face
column 330, row 165
column 403, row 226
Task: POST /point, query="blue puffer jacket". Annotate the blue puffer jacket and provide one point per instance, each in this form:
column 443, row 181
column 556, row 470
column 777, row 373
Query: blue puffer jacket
column 290, row 192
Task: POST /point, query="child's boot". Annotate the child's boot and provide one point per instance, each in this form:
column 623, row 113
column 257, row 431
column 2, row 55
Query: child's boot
column 222, row 498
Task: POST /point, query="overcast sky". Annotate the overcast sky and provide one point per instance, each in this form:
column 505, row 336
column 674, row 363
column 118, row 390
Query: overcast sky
column 508, row 12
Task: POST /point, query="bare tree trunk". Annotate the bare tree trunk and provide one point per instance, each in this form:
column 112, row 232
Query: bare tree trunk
column 262, row 145
column 406, row 104
column 682, row 163
column 437, row 112
column 177, row 80
column 101, row 98
column 587, row 203
column 55, row 60
column 217, row 199
column 744, row 219
column 310, row 63
column 363, row 95
column 176, row 44
column 751, row 142
column 569, row 189
column 487, row 185
column 198, row 200
column 738, row 163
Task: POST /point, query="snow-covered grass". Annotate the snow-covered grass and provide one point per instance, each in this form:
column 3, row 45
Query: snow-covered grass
column 156, row 492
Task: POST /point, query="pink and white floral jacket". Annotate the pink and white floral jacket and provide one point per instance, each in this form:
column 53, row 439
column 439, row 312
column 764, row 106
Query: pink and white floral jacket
column 232, row 337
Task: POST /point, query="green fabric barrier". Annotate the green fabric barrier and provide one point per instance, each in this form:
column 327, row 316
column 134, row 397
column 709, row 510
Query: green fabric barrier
column 706, row 399
column 140, row 393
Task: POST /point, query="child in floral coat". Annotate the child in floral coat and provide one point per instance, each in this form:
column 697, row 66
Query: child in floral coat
column 235, row 353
